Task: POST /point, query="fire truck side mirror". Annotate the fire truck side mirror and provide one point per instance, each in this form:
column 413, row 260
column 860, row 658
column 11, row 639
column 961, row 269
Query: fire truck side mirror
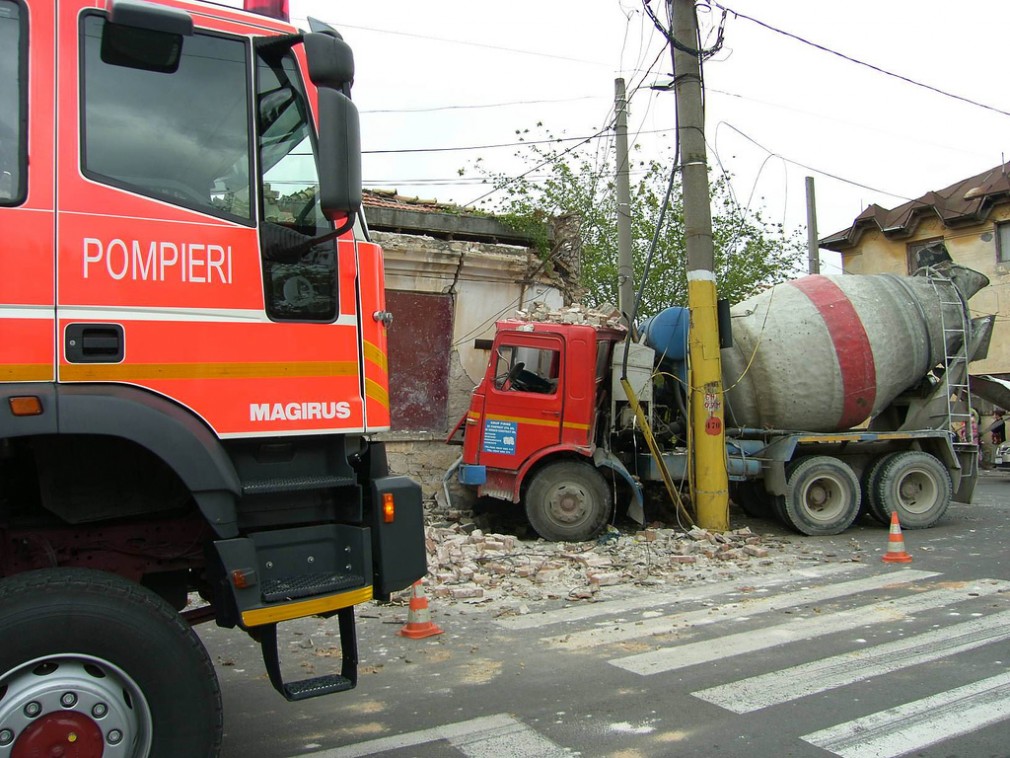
column 339, row 154
column 331, row 61
column 144, row 36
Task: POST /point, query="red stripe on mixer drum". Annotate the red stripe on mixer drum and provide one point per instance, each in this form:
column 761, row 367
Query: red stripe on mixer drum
column 852, row 346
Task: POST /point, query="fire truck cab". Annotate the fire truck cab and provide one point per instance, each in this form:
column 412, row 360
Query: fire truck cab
column 193, row 359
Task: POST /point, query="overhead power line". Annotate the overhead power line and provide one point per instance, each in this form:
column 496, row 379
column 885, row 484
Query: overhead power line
column 870, row 66
column 523, row 143
column 469, row 43
column 811, row 168
column 552, row 159
column 479, row 105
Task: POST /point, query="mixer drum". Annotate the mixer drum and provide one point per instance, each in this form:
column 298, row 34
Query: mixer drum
column 825, row 353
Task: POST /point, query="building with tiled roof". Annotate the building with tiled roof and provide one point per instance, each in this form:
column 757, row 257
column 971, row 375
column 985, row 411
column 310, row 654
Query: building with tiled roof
column 971, row 217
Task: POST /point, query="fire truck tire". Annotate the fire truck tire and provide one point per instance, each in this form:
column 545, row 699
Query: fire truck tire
column 870, row 483
column 916, row 485
column 568, row 501
column 92, row 663
column 822, row 496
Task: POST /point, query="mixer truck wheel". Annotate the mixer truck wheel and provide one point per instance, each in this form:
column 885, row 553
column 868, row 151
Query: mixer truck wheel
column 92, row 664
column 753, row 498
column 915, row 484
column 822, row 496
column 568, row 501
column 871, row 478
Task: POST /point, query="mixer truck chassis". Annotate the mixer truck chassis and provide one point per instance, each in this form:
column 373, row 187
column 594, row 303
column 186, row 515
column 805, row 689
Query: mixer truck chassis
column 553, row 427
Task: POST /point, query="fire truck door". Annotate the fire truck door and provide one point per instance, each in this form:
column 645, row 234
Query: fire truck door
column 155, row 228
column 524, row 402
column 179, row 192
column 27, row 352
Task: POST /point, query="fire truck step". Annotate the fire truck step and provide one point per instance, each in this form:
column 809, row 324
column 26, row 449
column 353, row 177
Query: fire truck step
column 304, row 585
column 327, row 684
column 290, row 484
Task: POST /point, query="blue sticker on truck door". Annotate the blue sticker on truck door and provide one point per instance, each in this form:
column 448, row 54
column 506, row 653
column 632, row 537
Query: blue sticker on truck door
column 500, row 437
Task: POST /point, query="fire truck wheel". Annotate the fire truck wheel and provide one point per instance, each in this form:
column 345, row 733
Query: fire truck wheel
column 822, row 495
column 915, row 484
column 92, row 664
column 870, row 483
column 568, row 501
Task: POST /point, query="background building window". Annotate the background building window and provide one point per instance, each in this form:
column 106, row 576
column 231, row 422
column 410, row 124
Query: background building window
column 925, row 253
column 1003, row 242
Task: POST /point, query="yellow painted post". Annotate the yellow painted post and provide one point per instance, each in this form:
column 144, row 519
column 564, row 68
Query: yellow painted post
column 708, row 435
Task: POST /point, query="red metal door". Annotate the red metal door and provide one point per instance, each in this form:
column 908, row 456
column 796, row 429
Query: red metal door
column 523, row 401
column 27, row 352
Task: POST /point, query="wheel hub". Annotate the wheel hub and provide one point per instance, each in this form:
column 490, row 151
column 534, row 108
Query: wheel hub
column 60, row 735
column 72, row 707
column 568, row 504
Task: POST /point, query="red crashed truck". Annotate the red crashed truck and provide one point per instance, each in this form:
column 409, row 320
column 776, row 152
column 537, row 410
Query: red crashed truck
column 841, row 399
column 193, row 355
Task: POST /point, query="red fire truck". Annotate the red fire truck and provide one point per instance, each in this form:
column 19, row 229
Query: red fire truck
column 193, row 356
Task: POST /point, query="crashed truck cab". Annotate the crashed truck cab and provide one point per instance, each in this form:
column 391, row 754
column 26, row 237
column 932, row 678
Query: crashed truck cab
column 534, row 431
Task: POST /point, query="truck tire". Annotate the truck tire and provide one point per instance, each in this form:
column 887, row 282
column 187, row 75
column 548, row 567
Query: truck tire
column 871, row 477
column 753, row 498
column 568, row 501
column 822, row 496
column 915, row 484
column 95, row 664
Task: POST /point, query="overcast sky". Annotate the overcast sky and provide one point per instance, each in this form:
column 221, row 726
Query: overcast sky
column 459, row 73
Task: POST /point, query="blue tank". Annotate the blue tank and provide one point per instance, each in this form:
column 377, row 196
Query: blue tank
column 666, row 333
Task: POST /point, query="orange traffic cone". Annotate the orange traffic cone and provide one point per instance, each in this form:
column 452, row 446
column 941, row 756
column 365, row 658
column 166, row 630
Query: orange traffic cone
column 896, row 543
column 419, row 624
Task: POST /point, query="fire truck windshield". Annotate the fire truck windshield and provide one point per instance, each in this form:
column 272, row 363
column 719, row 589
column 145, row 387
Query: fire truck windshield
column 300, row 272
column 289, row 178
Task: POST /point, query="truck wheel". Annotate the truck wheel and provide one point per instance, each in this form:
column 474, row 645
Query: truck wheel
column 568, row 502
column 871, row 478
column 915, row 484
column 822, row 496
column 92, row 664
column 753, row 498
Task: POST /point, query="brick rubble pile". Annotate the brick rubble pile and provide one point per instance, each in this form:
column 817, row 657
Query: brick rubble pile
column 607, row 316
column 502, row 573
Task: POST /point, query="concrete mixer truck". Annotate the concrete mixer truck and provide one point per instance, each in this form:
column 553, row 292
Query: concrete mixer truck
column 843, row 395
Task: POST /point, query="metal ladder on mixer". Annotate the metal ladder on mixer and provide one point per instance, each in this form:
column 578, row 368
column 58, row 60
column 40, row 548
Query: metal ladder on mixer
column 958, row 394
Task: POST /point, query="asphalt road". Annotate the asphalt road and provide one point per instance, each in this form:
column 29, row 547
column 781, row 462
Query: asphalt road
column 837, row 657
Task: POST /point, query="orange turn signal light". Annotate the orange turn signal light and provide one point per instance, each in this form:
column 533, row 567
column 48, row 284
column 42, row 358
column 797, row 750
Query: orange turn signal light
column 388, row 508
column 25, row 405
column 243, row 578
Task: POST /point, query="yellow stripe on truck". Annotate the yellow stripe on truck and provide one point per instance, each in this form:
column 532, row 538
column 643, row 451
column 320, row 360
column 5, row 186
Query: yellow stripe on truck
column 534, row 421
column 125, row 372
column 302, row 608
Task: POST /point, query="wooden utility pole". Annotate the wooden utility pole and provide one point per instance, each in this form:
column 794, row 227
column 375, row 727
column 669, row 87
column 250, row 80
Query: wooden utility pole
column 625, row 263
column 706, row 402
column 813, row 249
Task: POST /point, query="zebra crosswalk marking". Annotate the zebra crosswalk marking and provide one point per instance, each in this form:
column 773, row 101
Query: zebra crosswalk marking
column 754, row 693
column 653, row 599
column 682, row 656
column 919, row 724
column 622, row 631
column 500, row 734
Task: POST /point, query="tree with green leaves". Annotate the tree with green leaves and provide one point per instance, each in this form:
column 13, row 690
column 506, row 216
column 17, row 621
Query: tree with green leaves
column 750, row 252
